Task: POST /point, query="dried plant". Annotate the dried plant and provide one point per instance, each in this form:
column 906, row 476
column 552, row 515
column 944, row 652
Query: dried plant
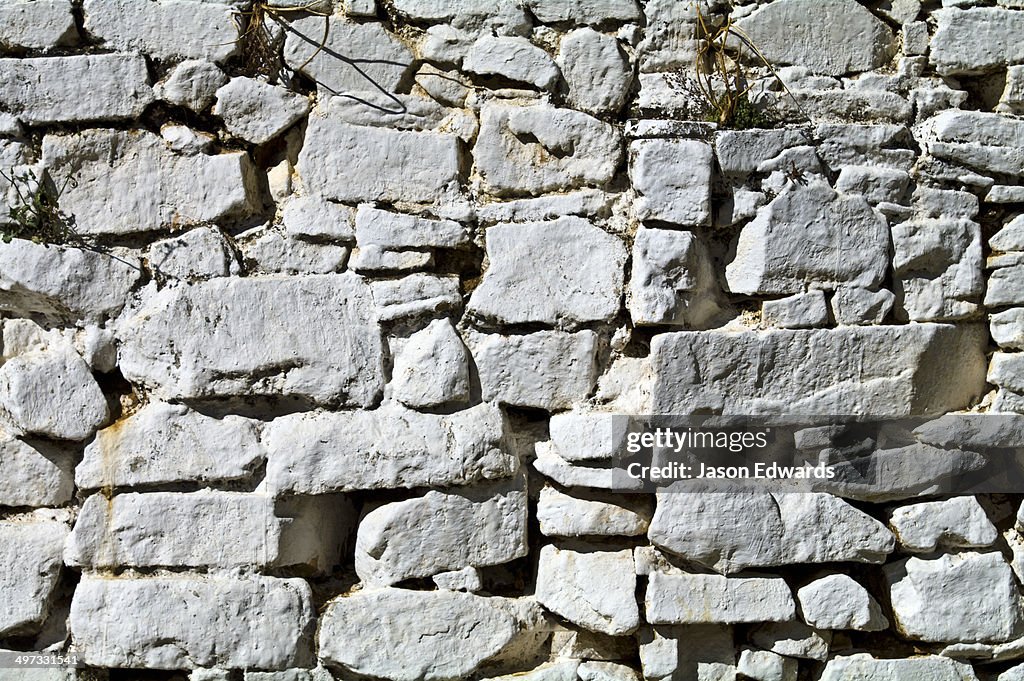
column 260, row 49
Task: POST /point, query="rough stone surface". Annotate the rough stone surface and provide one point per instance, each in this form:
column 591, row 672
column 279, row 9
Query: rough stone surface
column 562, row 515
column 596, row 590
column 513, row 58
column 37, row 24
column 200, row 253
column 714, row 599
column 34, row 474
column 30, row 566
column 839, row 602
column 440, row 347
column 193, row 83
column 596, row 71
column 977, row 40
column 672, row 280
column 954, row 523
column 863, row 666
column 673, row 178
column 256, row 111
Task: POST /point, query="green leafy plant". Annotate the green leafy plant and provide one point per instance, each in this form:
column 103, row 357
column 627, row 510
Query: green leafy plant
column 34, row 212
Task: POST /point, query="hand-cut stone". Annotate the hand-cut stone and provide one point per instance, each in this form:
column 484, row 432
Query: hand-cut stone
column 596, row 70
column 764, row 665
column 713, row 599
column 442, row 531
column 584, row 11
column 500, row 17
column 376, row 227
column 562, row 515
column 193, row 84
column 839, row 602
column 594, row 589
column 30, row 566
column 986, row 142
column 321, row 452
column 937, row 267
column 977, row 40
column 1007, row 329
column 793, row 639
column 416, row 295
column 853, row 305
column 799, row 311
column 257, row 111
column 672, row 281
column 311, row 217
column 561, row 273
column 431, row 367
column 1005, row 287
column 673, row 180
column 37, row 24
column 705, row 652
column 514, row 58
column 960, row 522
column 34, row 474
column 864, row 667
column 266, row 250
column 200, row 253
column 188, row 621
column 333, row 356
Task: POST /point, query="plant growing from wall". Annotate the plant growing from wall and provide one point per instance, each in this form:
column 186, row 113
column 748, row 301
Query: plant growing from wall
column 260, row 49
column 34, row 211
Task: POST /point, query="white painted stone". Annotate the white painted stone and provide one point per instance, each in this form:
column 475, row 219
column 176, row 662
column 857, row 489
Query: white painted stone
column 257, row 111
column 594, row 589
column 95, row 87
column 166, row 443
column 1007, row 328
column 30, row 567
column 352, row 163
column 514, row 58
column 332, row 357
column 839, row 602
column 321, row 452
column 201, row 30
column 268, row 251
column 34, row 474
column 876, row 184
column 166, row 190
column 380, row 58
column 547, row 369
column 314, row 218
column 960, row 522
column 188, row 621
column 1007, row 371
column 596, row 71
column 442, row 531
column 431, row 368
column 794, row 31
column 764, row 665
column 672, row 280
column 37, row 24
column 416, row 295
column 853, row 305
column 966, row 597
column 731, row 532
column 560, row 273
column 169, row 529
column 937, row 265
column 703, row 652
column 418, row 635
column 863, row 667
column 673, row 180
column 793, row 639
column 536, row 149
column 713, row 599
column 193, row 84
column 810, row 236
column 376, row 227
column 64, row 283
column 800, row 311
column 562, row 515
column 200, row 253
column 375, row 260
column 52, row 393
column 975, row 41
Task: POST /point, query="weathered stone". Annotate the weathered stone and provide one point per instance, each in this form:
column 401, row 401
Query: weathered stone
column 166, row 190
column 168, row 529
column 166, row 443
column 583, row 202
column 416, row 295
column 606, row 671
column 201, row 30
column 514, row 58
column 595, row 589
column 955, row 523
column 562, row 515
column 1010, row 237
column 420, row 635
column 810, row 236
column 200, row 253
column 268, row 251
column 547, row 369
column 863, row 667
column 552, row 671
column 1007, row 371
column 876, row 184
column 975, row 41
column 586, row 435
column 672, row 280
column 37, row 24
column 30, row 566
column 1007, row 329
column 500, row 17
column 561, row 273
column 986, row 142
column 1005, row 287
column 673, row 180
column 764, row 665
column 731, row 532
column 967, row 597
column 838, row 602
column 62, row 282
column 95, row 87
column 793, row 639
column 314, row 218
column 853, row 305
column 332, row 357
column 34, row 474
column 376, row 227
column 183, row 140
column 257, row 111
column 320, row 452
column 466, row 579
column 536, row 149
column 371, row 58
column 596, row 70
column 374, row 260
column 937, row 266
column 578, row 12
column 353, row 163
column 549, row 463
column 315, row 532
column 800, row 311
column 704, row 652
column 713, row 599
column 441, row 531
column 188, row 621
column 842, row 371
column 794, row 31
column 52, row 393
column 972, row 431
column 431, row 368
column 193, row 83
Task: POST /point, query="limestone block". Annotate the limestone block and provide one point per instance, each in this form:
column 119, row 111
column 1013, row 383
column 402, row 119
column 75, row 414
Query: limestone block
column 800, row 311
column 1007, row 328
column 976, row 40
column 673, row 179
column 416, row 295
column 256, row 111
column 593, row 589
column 563, row 515
column 376, row 227
column 200, row 253
column 596, row 71
column 937, row 264
column 37, row 24
column 697, row 651
column 431, row 368
column 500, row 17
column 584, row 11
column 30, row 565
column 863, row 667
column 310, row 217
column 672, row 280
column 793, row 639
column 764, row 665
column 713, row 599
column 267, row 250
column 986, row 142
column 34, row 474
column 960, row 522
column 193, row 84
column 853, row 305
column 514, row 58
column 839, row 602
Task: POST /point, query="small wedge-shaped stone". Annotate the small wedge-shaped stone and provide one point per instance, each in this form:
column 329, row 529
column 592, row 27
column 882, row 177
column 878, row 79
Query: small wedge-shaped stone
column 839, row 602
column 594, row 589
column 713, row 599
column 324, row 345
column 30, row 565
column 169, row 529
column 322, row 452
column 419, row 635
column 442, row 531
column 130, row 182
column 189, row 621
column 863, row 667
column 431, row 367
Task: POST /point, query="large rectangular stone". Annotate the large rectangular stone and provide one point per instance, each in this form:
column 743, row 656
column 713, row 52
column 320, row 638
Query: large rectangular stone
column 30, row 548
column 314, row 338
column 713, row 599
column 94, row 87
column 355, row 163
column 189, row 621
column 880, row 371
column 976, row 40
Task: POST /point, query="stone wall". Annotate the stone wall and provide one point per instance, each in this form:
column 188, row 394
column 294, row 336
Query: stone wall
column 319, row 385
